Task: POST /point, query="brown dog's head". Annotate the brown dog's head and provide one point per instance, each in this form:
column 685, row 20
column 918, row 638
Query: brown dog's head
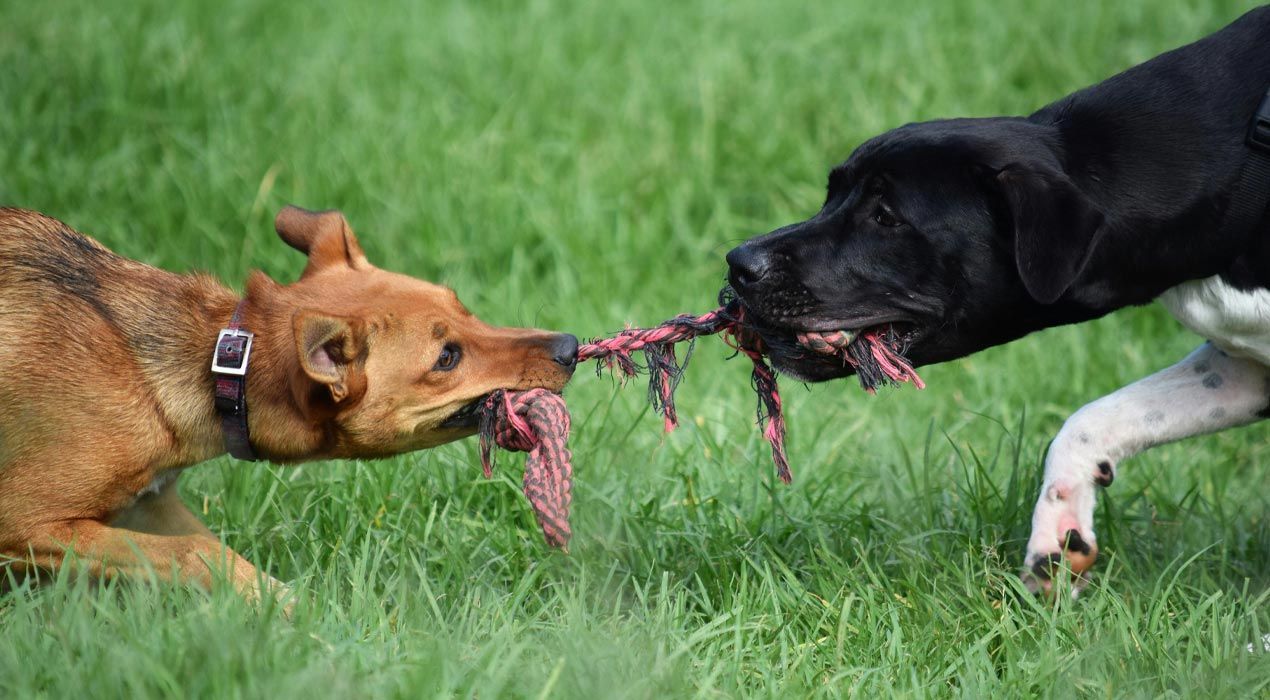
column 379, row 363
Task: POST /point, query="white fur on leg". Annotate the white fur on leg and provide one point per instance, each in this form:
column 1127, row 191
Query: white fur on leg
column 1206, row 392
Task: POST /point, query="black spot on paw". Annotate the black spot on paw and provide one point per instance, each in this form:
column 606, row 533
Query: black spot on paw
column 1105, row 474
column 1201, row 368
column 1075, row 543
column 1213, row 381
column 1043, row 568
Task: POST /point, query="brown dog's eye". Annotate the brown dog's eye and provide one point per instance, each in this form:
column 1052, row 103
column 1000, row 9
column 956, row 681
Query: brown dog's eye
column 885, row 217
column 449, row 358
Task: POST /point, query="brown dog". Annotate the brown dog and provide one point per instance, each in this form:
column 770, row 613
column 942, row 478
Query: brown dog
column 106, row 393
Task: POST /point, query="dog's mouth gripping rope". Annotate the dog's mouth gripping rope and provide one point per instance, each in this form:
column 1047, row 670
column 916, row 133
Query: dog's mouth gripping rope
column 537, row 422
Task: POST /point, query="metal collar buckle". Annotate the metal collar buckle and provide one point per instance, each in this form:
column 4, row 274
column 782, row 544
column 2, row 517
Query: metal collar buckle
column 233, row 349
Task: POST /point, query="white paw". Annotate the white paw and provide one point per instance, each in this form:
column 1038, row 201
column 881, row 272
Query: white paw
column 1062, row 532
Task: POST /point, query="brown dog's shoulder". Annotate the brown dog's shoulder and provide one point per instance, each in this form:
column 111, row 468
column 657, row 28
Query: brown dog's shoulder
column 41, row 251
column 26, row 218
column 18, row 225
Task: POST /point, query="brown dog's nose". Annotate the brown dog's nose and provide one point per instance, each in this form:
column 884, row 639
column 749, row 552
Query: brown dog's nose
column 564, row 350
column 748, row 264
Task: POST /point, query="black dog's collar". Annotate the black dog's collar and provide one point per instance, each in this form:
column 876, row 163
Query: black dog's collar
column 1259, row 132
column 229, row 370
column 1252, row 189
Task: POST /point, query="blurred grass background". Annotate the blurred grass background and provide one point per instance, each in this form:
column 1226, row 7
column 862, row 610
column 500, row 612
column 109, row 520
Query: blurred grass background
column 579, row 166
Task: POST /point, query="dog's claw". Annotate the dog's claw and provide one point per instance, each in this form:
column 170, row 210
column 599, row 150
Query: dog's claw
column 1045, row 567
column 1079, row 554
column 1073, row 542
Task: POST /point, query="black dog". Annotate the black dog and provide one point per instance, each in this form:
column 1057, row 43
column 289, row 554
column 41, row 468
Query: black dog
column 968, row 233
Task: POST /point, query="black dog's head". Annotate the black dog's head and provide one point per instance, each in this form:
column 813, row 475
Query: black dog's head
column 959, row 234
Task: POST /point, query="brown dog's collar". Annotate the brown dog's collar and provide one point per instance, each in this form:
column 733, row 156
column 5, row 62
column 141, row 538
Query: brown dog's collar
column 229, row 369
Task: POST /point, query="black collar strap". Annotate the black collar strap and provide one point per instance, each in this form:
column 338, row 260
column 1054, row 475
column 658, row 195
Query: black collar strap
column 229, row 370
column 1252, row 190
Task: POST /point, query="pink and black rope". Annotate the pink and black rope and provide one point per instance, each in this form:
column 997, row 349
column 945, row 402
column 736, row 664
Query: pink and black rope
column 537, row 421
column 664, row 370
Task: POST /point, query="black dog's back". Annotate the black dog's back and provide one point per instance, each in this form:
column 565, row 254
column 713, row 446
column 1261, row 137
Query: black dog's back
column 1160, row 147
column 1189, row 105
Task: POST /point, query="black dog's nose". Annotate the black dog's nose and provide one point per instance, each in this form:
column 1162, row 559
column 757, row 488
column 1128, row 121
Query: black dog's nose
column 747, row 265
column 564, row 350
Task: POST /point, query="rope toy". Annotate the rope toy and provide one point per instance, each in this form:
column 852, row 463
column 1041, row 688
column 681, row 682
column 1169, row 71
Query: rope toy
column 537, row 422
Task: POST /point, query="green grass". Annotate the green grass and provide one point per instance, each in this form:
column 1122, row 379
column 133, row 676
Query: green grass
column 578, row 166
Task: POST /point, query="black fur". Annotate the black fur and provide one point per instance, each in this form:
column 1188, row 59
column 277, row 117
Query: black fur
column 1045, row 567
column 1073, row 542
column 1105, row 474
column 969, row 233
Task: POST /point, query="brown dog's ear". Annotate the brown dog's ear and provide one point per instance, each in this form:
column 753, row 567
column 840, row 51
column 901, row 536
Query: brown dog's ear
column 324, row 236
column 329, row 349
column 1055, row 228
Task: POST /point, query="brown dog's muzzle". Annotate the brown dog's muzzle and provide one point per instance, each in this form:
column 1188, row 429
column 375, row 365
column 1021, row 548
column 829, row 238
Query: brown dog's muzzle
column 522, row 359
column 559, row 358
column 538, row 360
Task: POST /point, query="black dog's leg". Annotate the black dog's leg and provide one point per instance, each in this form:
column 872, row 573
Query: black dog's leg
column 1206, row 392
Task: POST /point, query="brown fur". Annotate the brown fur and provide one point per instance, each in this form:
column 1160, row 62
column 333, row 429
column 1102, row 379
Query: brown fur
column 106, row 392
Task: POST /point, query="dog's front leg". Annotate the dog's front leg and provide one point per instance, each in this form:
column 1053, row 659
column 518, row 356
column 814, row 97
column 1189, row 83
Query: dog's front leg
column 104, row 550
column 161, row 513
column 1206, row 392
column 164, row 513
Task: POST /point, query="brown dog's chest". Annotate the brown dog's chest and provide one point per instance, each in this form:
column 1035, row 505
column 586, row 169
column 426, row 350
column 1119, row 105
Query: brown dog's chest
column 160, row 482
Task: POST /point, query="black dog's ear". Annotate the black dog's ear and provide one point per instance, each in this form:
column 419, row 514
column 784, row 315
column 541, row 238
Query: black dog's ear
column 1055, row 228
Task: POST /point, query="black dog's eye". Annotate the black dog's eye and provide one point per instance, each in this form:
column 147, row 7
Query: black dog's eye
column 449, row 358
column 883, row 216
